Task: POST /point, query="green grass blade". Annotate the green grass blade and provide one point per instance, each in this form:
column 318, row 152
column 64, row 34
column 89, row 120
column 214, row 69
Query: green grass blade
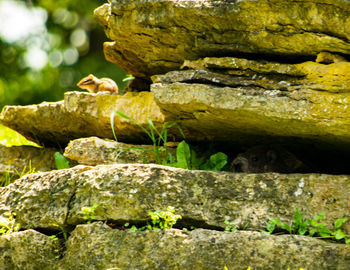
column 112, row 126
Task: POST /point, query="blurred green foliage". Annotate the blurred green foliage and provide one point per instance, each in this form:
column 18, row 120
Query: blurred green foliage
column 71, row 42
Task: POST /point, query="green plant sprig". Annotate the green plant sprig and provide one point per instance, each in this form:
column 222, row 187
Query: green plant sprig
column 186, row 157
column 89, row 213
column 8, row 223
column 312, row 227
column 160, row 220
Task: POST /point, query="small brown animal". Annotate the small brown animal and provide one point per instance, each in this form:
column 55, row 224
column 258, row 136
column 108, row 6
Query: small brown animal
column 260, row 159
column 94, row 85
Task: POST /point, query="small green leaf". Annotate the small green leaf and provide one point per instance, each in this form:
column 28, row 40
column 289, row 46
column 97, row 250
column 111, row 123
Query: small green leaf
column 183, row 155
column 339, row 234
column 215, row 163
column 271, row 225
column 339, row 222
column 61, row 161
column 286, row 227
column 324, row 232
column 320, row 216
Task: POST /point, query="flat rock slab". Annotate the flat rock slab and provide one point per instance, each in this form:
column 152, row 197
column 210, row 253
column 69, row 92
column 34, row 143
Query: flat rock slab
column 153, row 37
column 95, row 151
column 204, row 199
column 97, row 246
column 253, row 115
column 198, row 249
column 83, row 114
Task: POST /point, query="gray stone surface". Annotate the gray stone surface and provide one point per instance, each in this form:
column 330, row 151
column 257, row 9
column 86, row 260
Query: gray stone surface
column 95, row 151
column 128, row 192
column 28, row 250
column 199, row 249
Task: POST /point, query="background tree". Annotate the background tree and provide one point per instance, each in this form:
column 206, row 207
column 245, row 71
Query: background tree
column 47, row 46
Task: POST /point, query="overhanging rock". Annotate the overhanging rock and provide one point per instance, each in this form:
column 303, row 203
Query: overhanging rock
column 84, row 114
column 153, row 37
column 250, row 102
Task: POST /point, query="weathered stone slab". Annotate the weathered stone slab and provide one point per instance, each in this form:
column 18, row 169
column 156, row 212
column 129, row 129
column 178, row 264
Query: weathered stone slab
column 17, row 159
column 95, row 151
column 246, row 115
column 83, row 114
column 198, row 249
column 28, row 249
column 146, row 40
column 128, row 192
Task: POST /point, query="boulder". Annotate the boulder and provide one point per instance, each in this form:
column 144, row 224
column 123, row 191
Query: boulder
column 83, row 114
column 154, row 37
column 29, row 250
column 198, row 249
column 127, row 192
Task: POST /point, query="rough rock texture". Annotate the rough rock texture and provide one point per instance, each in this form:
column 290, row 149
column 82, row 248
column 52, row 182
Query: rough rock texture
column 22, row 158
column 83, row 114
column 28, row 250
column 198, row 250
column 153, row 37
column 95, row 151
column 97, row 246
column 128, row 192
column 231, row 99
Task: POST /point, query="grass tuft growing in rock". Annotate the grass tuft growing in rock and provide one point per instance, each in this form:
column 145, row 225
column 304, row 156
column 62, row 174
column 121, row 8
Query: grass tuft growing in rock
column 186, row 158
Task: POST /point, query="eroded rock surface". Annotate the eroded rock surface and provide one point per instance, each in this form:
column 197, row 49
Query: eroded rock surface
column 83, row 114
column 95, row 151
column 97, row 246
column 27, row 250
column 17, row 159
column 147, row 40
column 245, row 101
column 128, row 192
column 198, row 249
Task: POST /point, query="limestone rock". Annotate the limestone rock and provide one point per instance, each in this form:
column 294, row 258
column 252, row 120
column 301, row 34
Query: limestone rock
column 83, row 114
column 17, row 159
column 250, row 114
column 126, row 192
column 95, row 151
column 198, row 249
column 28, row 249
column 147, row 40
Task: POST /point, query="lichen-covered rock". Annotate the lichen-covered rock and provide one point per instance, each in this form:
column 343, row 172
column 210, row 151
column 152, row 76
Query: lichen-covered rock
column 28, row 250
column 246, row 115
column 100, row 247
column 95, row 151
column 153, row 37
column 83, row 114
column 16, row 160
column 128, row 192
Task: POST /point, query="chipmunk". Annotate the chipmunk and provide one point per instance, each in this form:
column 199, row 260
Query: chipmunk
column 94, row 85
